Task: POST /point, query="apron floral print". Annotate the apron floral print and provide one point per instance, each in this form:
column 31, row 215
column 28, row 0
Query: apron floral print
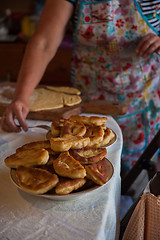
column 105, row 66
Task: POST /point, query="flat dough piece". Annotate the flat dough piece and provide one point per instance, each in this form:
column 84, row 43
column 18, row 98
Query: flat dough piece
column 71, row 100
column 43, row 99
column 64, row 89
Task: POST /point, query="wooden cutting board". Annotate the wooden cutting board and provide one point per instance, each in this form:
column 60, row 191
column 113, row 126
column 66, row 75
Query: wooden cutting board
column 99, row 107
column 47, row 115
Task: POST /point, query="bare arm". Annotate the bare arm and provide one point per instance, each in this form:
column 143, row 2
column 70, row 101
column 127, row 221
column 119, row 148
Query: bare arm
column 39, row 52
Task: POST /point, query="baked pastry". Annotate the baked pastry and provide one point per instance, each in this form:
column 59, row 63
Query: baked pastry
column 39, row 144
column 98, row 172
column 72, row 128
column 66, row 186
column 64, row 144
column 88, row 155
column 66, row 166
column 109, row 135
column 67, row 128
column 28, row 158
column 56, row 126
column 36, row 180
column 93, row 120
column 95, row 133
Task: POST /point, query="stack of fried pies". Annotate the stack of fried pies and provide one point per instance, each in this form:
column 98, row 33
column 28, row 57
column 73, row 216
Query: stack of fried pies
column 73, row 159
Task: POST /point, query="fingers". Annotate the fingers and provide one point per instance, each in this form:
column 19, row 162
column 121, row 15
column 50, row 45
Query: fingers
column 8, row 124
column 14, row 111
column 149, row 44
column 21, row 116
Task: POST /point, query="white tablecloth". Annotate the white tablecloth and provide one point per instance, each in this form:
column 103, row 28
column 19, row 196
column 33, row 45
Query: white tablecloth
column 27, row 217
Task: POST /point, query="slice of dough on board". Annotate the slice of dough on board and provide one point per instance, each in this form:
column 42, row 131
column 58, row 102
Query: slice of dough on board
column 44, row 99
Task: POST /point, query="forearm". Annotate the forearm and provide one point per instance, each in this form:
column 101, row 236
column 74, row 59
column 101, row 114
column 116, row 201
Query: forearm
column 34, row 64
column 43, row 46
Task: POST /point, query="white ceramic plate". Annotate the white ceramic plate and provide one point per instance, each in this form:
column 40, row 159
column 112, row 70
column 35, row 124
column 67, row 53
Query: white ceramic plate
column 70, row 196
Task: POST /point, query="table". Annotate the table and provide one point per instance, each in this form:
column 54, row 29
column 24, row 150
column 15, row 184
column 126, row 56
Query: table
column 91, row 217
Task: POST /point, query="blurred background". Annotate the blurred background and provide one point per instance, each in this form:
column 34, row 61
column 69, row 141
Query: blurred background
column 18, row 21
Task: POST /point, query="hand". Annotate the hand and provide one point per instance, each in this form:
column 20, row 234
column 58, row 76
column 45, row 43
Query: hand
column 18, row 110
column 149, row 44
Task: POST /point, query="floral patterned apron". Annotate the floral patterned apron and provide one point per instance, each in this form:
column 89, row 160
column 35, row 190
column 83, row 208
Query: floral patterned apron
column 105, row 67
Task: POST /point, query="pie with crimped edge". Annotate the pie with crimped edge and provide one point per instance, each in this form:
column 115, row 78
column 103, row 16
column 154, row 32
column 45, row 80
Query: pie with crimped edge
column 27, row 158
column 66, row 185
column 93, row 120
column 56, row 126
column 38, row 144
column 108, row 136
column 98, row 172
column 66, row 166
column 64, row 144
column 72, row 128
column 95, row 133
column 36, row 180
column 88, row 155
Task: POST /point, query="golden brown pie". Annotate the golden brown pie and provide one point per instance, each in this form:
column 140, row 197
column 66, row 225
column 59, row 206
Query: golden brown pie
column 36, row 180
column 38, row 144
column 28, row 157
column 66, row 166
column 93, row 120
column 72, row 128
column 95, row 133
column 98, row 172
column 56, row 126
column 64, row 144
column 108, row 136
column 88, row 155
column 66, row 185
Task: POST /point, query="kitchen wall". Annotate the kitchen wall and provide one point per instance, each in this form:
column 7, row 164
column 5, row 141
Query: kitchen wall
column 23, row 6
